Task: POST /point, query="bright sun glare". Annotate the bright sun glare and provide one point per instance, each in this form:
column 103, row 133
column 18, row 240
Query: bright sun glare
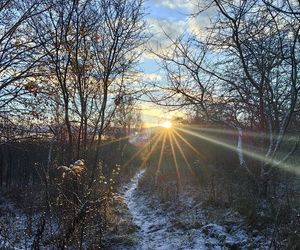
column 166, row 124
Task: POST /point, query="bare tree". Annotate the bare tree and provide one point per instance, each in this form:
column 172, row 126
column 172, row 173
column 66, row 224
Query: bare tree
column 92, row 47
column 18, row 60
column 89, row 51
column 253, row 83
column 267, row 46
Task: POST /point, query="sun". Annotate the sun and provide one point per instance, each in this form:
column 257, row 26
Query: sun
column 166, row 124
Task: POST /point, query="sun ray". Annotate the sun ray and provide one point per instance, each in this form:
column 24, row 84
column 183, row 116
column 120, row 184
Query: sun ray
column 235, row 132
column 253, row 155
column 160, row 156
column 153, row 146
column 115, row 140
column 188, row 144
column 182, row 154
column 175, row 162
column 134, row 155
column 137, row 153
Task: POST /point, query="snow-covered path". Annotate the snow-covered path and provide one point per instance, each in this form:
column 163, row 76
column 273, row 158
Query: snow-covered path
column 185, row 226
column 156, row 231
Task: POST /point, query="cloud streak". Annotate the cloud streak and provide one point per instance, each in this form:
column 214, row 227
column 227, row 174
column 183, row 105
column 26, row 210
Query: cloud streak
column 178, row 4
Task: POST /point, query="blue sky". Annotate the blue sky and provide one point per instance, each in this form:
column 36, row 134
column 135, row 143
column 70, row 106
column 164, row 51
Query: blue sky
column 158, row 14
column 172, row 17
column 162, row 10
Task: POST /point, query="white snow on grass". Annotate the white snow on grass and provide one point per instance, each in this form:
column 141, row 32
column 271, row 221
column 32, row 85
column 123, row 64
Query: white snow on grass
column 18, row 229
column 14, row 227
column 156, row 231
column 182, row 227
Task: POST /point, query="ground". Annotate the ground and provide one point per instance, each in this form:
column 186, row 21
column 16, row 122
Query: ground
column 184, row 224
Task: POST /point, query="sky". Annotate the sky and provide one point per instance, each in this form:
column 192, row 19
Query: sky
column 172, row 17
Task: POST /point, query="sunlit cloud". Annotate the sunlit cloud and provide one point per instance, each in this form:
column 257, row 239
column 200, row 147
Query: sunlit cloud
column 197, row 26
column 155, row 115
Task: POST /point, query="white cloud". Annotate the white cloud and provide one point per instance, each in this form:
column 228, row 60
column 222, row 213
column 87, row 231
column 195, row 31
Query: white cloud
column 189, row 5
column 197, row 26
column 150, row 77
column 194, row 24
column 172, row 28
column 160, row 29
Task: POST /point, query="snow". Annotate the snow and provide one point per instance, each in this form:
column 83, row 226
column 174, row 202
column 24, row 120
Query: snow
column 181, row 227
column 18, row 229
column 156, row 229
column 14, row 225
column 79, row 163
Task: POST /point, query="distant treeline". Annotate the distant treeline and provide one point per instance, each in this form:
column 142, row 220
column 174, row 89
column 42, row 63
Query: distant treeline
column 21, row 162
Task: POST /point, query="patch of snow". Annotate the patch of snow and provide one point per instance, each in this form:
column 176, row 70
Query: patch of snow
column 14, row 227
column 18, row 229
column 156, row 230
column 181, row 227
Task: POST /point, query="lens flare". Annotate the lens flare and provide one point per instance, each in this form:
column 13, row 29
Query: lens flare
column 166, row 124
